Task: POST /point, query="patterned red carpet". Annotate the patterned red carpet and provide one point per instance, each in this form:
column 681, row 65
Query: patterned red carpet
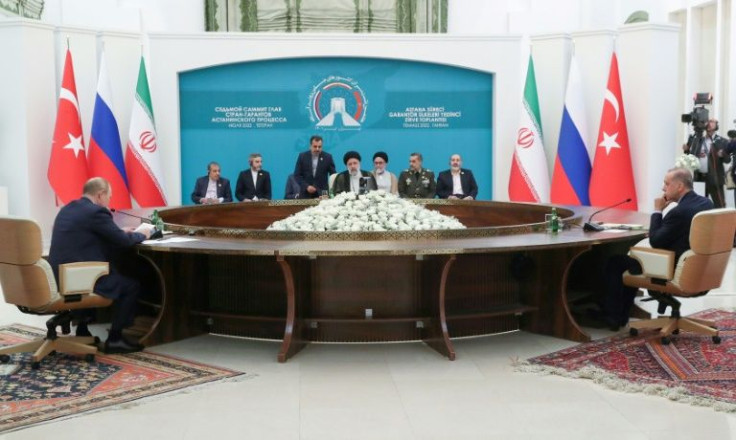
column 690, row 369
column 66, row 385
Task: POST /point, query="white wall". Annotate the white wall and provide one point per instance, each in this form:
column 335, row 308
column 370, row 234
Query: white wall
column 28, row 94
column 127, row 15
column 103, row 14
column 544, row 16
column 3, row 200
column 650, row 104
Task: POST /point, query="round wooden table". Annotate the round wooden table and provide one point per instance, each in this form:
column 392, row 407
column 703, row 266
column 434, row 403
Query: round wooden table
column 222, row 272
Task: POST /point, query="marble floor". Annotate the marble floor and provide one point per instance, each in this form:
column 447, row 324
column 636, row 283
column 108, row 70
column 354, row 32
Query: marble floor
column 395, row 391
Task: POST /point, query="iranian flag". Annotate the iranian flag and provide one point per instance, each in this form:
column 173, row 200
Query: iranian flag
column 529, row 180
column 142, row 158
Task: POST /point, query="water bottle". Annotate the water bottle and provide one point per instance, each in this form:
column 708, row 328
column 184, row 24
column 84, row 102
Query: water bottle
column 157, row 221
column 554, row 221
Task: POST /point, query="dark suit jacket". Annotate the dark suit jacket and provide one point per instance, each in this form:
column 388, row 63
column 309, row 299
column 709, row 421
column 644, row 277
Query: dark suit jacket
column 223, row 189
column 342, row 182
column 716, row 175
column 673, row 231
column 303, row 172
column 467, row 181
column 731, row 149
column 244, row 189
column 293, row 189
column 84, row 231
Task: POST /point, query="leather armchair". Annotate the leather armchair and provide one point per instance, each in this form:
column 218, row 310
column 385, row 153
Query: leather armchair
column 699, row 270
column 28, row 283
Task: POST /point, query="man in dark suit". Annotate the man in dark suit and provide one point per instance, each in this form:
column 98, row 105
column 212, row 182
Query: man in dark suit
column 353, row 179
column 710, row 149
column 457, row 182
column 670, row 232
column 293, row 189
column 84, row 231
column 731, row 149
column 254, row 183
column 212, row 188
column 312, row 169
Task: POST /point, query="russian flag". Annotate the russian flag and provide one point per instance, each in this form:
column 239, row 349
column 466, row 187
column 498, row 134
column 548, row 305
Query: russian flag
column 105, row 156
column 571, row 175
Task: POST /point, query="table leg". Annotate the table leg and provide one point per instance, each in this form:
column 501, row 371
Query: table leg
column 174, row 321
column 294, row 339
column 436, row 335
column 547, row 291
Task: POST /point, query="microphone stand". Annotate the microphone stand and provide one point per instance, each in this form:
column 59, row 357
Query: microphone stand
column 594, row 227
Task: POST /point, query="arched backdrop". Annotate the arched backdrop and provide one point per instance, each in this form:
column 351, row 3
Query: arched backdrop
column 364, row 104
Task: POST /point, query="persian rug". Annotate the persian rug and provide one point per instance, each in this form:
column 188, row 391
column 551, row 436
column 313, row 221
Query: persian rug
column 691, row 369
column 66, row 385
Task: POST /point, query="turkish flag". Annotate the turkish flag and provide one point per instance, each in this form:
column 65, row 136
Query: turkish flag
column 612, row 178
column 68, row 163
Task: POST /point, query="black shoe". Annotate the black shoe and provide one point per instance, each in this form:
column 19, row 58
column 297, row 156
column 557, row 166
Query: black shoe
column 599, row 319
column 82, row 331
column 121, row 346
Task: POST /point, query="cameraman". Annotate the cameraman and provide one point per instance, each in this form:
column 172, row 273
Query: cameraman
column 731, row 149
column 710, row 149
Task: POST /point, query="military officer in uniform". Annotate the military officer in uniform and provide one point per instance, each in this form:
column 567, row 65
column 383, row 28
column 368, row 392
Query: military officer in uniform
column 416, row 182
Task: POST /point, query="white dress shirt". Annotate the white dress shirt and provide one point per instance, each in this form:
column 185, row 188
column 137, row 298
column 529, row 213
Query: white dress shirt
column 703, row 156
column 254, row 174
column 457, row 186
column 212, row 190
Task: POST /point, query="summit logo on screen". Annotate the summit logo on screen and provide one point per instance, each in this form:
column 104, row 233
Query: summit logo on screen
column 337, row 103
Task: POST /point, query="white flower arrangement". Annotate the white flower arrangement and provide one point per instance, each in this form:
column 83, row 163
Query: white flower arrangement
column 374, row 211
column 688, row 161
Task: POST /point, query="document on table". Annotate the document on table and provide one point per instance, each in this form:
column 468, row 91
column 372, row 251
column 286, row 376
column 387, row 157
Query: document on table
column 167, row 240
column 623, row 227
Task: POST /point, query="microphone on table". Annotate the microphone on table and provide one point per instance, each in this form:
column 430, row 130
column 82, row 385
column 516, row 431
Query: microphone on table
column 362, row 185
column 590, row 227
column 157, row 233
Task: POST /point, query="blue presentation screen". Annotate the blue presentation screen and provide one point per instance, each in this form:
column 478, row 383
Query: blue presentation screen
column 365, row 104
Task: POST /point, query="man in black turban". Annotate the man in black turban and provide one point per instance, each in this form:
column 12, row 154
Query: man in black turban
column 385, row 179
column 353, row 179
